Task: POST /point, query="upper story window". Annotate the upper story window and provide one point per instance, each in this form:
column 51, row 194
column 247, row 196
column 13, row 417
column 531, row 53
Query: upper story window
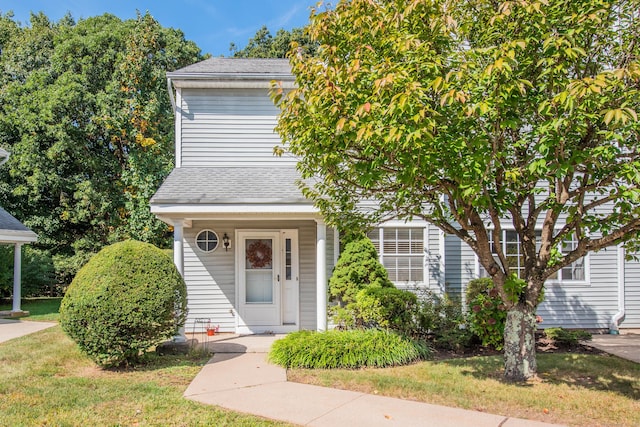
column 575, row 272
column 207, row 241
column 401, row 251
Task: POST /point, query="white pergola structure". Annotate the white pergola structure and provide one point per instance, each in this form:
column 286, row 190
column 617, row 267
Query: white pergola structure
column 13, row 232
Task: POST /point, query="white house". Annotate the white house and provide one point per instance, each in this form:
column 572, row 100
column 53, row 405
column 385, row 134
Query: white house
column 256, row 255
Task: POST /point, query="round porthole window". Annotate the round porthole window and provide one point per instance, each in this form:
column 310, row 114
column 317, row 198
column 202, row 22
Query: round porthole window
column 207, row 240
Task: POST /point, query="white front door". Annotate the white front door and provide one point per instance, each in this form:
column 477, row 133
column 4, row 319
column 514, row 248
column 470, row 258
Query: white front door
column 267, row 271
column 259, row 265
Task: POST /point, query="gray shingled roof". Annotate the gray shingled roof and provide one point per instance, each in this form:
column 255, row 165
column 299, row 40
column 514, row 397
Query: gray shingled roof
column 8, row 222
column 12, row 230
column 231, row 185
column 235, row 68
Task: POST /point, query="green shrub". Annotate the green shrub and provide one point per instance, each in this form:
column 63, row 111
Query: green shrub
column 357, row 268
column 346, row 349
column 567, row 337
column 390, row 308
column 487, row 313
column 126, row 299
column 443, row 320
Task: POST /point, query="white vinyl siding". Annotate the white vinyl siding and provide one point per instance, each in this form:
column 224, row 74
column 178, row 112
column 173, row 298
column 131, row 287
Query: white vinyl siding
column 590, row 304
column 460, row 266
column 228, row 127
column 632, row 295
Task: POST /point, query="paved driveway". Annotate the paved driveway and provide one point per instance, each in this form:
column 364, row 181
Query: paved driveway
column 10, row 329
column 626, row 346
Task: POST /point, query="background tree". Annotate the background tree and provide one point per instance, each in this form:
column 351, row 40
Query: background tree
column 475, row 116
column 264, row 45
column 85, row 113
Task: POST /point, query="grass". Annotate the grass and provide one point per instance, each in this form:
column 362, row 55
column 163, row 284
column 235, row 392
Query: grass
column 40, row 309
column 47, row 381
column 574, row 389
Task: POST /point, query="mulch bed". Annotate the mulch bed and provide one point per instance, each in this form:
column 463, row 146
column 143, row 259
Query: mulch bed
column 543, row 345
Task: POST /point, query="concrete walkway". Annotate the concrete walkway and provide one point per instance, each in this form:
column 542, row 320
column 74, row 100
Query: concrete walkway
column 239, row 378
column 625, row 345
column 10, row 329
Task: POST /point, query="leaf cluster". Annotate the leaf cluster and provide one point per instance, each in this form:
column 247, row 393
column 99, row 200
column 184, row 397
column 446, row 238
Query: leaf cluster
column 475, row 116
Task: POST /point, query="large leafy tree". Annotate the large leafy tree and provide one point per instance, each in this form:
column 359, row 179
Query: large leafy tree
column 85, row 113
column 264, row 45
column 477, row 115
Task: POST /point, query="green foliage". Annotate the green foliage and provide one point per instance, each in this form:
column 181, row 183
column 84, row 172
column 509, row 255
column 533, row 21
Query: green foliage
column 465, row 113
column 487, row 313
column 442, row 319
column 514, row 288
column 346, row 349
column 264, row 45
column 37, row 272
column 126, row 299
column 389, row 308
column 567, row 337
column 85, row 114
column 358, row 267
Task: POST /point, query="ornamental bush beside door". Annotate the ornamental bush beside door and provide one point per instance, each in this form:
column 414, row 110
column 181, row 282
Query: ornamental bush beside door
column 128, row 298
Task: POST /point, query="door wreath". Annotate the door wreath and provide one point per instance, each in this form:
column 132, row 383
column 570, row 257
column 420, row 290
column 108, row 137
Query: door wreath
column 259, row 254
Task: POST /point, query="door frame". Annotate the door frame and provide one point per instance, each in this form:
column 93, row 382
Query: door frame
column 242, row 327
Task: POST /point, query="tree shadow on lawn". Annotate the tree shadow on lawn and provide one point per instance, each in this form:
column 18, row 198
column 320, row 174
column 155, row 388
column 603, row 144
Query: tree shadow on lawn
column 154, row 362
column 601, row 372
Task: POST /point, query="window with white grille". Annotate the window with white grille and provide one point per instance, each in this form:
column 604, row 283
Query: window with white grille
column 401, row 251
column 515, row 259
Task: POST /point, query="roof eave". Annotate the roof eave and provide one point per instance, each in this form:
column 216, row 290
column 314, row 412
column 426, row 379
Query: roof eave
column 17, row 236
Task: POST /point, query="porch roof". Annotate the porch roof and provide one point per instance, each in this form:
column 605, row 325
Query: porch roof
column 13, row 231
column 231, row 186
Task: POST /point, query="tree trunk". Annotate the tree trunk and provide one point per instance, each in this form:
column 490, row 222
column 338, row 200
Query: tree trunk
column 520, row 344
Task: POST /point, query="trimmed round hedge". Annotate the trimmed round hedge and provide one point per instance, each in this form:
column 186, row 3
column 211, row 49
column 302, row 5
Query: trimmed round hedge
column 127, row 298
column 349, row 349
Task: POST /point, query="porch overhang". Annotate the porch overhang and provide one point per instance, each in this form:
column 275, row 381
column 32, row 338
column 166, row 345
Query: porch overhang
column 170, row 213
column 15, row 233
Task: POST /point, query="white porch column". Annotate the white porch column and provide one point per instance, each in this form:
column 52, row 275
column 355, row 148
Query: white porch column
column 178, row 260
column 17, row 270
column 321, row 275
column 178, row 249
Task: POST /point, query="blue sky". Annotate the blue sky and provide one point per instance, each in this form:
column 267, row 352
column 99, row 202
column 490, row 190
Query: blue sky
column 212, row 24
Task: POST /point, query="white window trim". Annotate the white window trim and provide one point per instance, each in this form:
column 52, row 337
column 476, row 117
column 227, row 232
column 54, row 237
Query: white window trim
column 556, row 282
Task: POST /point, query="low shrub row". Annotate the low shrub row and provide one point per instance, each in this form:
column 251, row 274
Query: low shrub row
column 380, row 325
column 350, row 349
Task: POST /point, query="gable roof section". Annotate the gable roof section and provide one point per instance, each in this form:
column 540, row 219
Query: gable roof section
column 217, row 186
column 232, row 70
column 13, row 231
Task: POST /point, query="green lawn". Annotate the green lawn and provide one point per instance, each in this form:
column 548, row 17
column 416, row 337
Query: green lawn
column 574, row 389
column 46, row 381
column 40, row 309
